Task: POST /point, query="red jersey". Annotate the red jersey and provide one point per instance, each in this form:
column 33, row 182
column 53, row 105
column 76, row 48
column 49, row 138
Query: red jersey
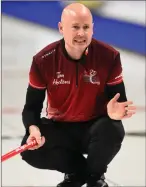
column 75, row 88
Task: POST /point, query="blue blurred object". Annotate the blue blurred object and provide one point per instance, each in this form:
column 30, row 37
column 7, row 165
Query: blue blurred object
column 121, row 34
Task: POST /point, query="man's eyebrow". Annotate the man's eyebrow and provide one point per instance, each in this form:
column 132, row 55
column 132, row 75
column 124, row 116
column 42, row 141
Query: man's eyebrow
column 75, row 23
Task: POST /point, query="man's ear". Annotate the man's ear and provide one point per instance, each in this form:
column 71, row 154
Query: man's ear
column 60, row 27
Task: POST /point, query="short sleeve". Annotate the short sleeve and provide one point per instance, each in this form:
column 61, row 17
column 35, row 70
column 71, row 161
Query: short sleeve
column 115, row 76
column 35, row 77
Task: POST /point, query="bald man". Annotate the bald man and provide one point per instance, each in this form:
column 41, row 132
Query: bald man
column 86, row 103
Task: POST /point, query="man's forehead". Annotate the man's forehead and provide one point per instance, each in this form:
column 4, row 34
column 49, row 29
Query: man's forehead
column 79, row 18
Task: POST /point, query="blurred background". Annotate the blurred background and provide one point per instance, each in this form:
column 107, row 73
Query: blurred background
column 27, row 27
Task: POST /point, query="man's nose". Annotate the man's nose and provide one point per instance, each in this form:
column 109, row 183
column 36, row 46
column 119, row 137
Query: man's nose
column 81, row 32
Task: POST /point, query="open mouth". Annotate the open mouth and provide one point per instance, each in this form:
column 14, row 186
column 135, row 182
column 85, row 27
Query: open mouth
column 80, row 41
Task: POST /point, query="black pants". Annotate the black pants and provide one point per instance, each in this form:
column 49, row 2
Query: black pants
column 66, row 143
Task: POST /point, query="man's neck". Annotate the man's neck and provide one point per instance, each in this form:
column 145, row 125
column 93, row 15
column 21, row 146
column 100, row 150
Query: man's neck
column 74, row 53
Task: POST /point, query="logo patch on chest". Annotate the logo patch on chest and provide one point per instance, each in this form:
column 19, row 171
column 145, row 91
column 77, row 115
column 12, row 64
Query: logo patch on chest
column 91, row 77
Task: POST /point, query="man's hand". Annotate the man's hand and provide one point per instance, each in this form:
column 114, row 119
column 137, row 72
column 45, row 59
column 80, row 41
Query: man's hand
column 35, row 134
column 120, row 110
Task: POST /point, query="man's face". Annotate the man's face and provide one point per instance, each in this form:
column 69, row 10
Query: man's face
column 77, row 30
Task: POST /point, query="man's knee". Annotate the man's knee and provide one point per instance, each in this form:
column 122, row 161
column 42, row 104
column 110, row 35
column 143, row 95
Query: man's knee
column 44, row 159
column 57, row 158
column 108, row 129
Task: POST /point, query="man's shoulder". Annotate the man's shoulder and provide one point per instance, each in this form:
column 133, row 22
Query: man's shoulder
column 104, row 47
column 47, row 51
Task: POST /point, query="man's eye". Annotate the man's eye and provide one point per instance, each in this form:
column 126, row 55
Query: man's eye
column 86, row 27
column 75, row 27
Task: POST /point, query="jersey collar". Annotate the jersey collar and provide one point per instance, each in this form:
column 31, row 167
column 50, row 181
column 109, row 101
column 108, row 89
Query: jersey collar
column 82, row 60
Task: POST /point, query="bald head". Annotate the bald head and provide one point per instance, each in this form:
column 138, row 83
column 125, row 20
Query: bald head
column 74, row 10
column 76, row 26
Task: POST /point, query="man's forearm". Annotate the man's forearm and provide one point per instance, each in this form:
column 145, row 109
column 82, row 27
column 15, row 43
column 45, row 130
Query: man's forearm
column 111, row 91
column 32, row 109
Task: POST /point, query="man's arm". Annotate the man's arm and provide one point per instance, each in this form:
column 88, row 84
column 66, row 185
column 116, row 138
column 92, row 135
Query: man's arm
column 114, row 89
column 118, row 107
column 33, row 106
